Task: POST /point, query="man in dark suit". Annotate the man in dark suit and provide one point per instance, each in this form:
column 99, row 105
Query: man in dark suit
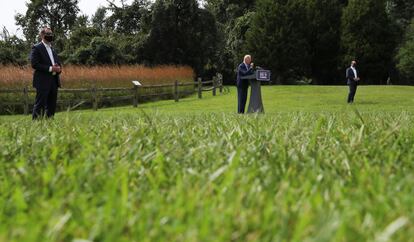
column 47, row 69
column 352, row 81
column 244, row 69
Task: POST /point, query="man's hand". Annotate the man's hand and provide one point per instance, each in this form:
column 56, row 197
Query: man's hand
column 357, row 79
column 56, row 68
column 252, row 65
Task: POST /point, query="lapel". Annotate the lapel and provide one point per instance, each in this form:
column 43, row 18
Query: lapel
column 351, row 72
column 242, row 66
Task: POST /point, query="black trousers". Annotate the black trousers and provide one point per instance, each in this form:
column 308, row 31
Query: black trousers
column 242, row 88
column 352, row 91
column 45, row 103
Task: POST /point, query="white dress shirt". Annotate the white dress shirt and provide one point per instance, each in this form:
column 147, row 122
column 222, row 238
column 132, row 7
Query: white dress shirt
column 355, row 71
column 50, row 53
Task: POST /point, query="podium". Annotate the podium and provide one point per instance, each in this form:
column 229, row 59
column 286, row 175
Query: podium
column 255, row 102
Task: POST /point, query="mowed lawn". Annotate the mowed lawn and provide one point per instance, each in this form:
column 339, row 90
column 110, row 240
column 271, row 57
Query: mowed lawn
column 312, row 168
column 278, row 99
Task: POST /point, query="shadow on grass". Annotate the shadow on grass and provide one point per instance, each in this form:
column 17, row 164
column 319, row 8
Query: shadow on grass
column 367, row 102
column 167, row 103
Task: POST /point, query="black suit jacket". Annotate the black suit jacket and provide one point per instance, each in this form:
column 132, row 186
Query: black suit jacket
column 350, row 76
column 243, row 71
column 42, row 78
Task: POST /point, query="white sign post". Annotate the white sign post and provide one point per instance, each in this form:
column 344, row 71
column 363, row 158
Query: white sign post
column 136, row 85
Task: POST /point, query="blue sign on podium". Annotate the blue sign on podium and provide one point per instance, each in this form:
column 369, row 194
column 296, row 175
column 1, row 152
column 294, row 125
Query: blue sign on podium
column 263, row 75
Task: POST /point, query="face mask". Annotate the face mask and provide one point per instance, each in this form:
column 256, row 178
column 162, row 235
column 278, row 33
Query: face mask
column 49, row 37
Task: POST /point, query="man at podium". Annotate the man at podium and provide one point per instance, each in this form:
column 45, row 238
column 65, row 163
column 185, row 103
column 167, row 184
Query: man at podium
column 244, row 69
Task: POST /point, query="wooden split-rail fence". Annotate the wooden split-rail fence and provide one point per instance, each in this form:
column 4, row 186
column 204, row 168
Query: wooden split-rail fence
column 96, row 96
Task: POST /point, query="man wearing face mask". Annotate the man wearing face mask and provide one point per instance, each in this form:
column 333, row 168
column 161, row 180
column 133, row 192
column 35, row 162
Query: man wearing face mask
column 46, row 77
column 352, row 81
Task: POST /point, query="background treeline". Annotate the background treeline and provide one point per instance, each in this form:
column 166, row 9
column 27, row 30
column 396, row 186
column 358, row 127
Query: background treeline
column 300, row 41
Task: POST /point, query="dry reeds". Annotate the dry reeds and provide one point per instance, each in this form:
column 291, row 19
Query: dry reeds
column 101, row 76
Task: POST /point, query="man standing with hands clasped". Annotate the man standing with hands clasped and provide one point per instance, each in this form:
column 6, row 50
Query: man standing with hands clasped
column 46, row 80
column 352, row 81
column 244, row 69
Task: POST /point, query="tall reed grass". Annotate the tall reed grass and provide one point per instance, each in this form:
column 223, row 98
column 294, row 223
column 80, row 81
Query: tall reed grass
column 101, row 76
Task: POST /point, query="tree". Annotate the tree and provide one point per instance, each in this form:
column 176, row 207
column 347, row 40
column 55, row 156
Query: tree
column 277, row 39
column 226, row 11
column 323, row 35
column 401, row 12
column 368, row 37
column 315, row 22
column 405, row 55
column 205, row 37
column 127, row 19
column 77, row 46
column 172, row 30
column 60, row 15
column 99, row 19
column 233, row 20
column 12, row 49
column 236, row 44
column 181, row 33
column 104, row 51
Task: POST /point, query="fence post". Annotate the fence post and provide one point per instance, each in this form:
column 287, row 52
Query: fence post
column 176, row 91
column 214, row 85
column 135, row 101
column 95, row 98
column 221, row 83
column 26, row 100
column 200, row 85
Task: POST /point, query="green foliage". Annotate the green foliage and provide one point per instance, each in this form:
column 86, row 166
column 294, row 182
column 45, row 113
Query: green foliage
column 233, row 18
column 401, row 11
column 236, row 40
column 226, row 11
column 98, row 19
column 103, row 51
column 127, row 19
column 405, row 56
column 297, row 38
column 77, row 46
column 323, row 35
column 277, row 39
column 12, row 49
column 60, row 15
column 166, row 175
column 181, row 33
column 367, row 36
column 318, row 22
column 171, row 32
column 100, row 51
column 132, row 48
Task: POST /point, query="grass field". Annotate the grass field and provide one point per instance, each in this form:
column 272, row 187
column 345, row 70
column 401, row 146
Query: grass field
column 311, row 169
